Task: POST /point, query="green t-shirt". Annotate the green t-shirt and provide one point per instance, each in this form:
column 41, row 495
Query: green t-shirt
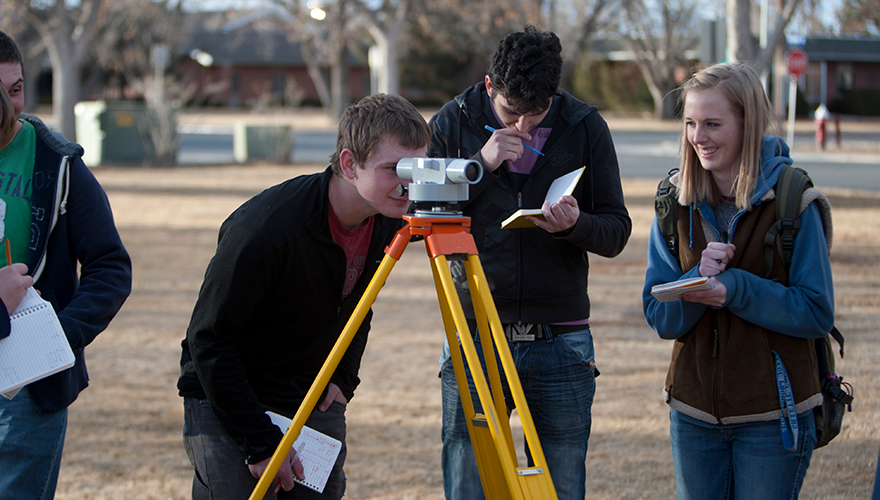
column 16, row 186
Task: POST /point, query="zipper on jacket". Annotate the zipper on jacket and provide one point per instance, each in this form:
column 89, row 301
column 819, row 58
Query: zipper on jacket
column 706, row 223
column 520, row 246
column 733, row 221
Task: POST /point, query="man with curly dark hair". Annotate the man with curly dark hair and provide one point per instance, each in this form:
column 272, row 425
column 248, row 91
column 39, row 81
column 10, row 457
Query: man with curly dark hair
column 527, row 132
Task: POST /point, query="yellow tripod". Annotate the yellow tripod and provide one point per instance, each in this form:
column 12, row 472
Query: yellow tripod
column 449, row 236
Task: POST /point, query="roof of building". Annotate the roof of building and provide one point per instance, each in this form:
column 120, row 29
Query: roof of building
column 249, row 39
column 854, row 49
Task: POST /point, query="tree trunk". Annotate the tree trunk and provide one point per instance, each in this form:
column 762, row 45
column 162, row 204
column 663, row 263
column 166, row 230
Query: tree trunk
column 338, row 63
column 65, row 81
column 338, row 90
column 65, row 95
column 739, row 32
column 315, row 73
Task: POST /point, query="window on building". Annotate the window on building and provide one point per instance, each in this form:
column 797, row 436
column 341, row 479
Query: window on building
column 844, row 77
column 812, row 85
column 278, row 85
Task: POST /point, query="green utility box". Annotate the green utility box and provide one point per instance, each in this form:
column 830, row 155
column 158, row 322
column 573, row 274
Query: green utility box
column 114, row 132
column 272, row 143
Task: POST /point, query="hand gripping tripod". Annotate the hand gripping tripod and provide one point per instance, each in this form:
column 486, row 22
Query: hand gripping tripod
column 447, row 236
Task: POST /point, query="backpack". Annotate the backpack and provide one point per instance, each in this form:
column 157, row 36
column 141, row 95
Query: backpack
column 836, row 394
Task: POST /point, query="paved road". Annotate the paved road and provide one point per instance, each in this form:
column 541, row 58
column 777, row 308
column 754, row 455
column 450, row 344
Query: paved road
column 642, row 154
column 652, row 154
column 214, row 145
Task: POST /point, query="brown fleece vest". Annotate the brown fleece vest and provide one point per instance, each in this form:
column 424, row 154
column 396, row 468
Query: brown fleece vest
column 723, row 366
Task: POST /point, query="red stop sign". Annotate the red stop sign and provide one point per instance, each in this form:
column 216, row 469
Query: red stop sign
column 796, row 59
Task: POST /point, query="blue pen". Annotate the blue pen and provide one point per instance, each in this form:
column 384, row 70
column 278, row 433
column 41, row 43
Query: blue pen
column 490, row 129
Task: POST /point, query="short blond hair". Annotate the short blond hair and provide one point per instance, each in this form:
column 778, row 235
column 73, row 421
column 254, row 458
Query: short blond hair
column 365, row 124
column 741, row 86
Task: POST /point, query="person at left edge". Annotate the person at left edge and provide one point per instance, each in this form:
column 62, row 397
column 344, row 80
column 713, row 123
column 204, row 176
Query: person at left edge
column 291, row 265
column 14, row 280
column 59, row 224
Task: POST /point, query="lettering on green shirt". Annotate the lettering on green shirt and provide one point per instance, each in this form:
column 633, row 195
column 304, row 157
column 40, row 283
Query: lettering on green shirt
column 16, row 179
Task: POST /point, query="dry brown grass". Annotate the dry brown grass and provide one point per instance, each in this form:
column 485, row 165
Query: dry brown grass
column 124, row 437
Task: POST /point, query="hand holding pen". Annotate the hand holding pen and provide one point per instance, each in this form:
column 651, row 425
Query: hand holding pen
column 14, row 281
column 490, row 129
column 505, row 144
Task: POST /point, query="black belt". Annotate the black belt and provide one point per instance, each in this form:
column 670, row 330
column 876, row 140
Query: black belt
column 528, row 333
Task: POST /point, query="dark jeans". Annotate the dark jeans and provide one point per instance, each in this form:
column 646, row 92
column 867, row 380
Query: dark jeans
column 220, row 471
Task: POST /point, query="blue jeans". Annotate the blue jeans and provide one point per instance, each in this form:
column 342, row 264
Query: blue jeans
column 219, row 468
column 876, row 494
column 30, row 448
column 738, row 461
column 558, row 380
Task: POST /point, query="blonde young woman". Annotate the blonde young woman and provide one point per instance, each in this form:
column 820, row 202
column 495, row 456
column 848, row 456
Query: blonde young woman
column 737, row 430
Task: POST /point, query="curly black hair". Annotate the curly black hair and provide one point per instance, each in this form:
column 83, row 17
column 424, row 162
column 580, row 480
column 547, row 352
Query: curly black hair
column 526, row 69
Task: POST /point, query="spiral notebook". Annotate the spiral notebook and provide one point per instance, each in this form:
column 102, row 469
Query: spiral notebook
column 35, row 348
column 316, row 451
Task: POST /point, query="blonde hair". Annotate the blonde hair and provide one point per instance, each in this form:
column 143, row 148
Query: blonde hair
column 742, row 88
column 7, row 118
column 365, row 124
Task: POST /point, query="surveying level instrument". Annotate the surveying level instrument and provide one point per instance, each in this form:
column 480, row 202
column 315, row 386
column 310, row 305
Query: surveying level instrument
column 438, row 184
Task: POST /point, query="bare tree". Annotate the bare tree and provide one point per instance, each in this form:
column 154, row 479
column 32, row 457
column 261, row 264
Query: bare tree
column 66, row 31
column 385, row 25
column 741, row 43
column 475, row 25
column 810, row 20
column 659, row 36
column 586, row 19
column 859, row 17
column 450, row 41
column 323, row 44
column 126, row 45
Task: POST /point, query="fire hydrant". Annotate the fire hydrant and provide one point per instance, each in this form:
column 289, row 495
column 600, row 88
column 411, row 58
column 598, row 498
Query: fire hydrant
column 820, row 121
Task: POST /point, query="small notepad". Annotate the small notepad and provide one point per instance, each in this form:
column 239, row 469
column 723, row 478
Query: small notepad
column 562, row 186
column 36, row 346
column 669, row 292
column 316, row 451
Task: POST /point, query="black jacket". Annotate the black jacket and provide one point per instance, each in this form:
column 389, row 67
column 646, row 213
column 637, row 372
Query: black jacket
column 76, row 257
column 535, row 276
column 270, row 310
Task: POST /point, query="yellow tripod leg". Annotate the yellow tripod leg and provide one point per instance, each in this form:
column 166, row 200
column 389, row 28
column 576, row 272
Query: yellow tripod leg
column 326, row 372
column 485, row 452
column 496, row 466
column 535, row 481
column 490, row 433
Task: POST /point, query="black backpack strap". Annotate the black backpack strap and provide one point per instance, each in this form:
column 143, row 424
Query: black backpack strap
column 836, row 335
column 789, row 191
column 666, row 210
